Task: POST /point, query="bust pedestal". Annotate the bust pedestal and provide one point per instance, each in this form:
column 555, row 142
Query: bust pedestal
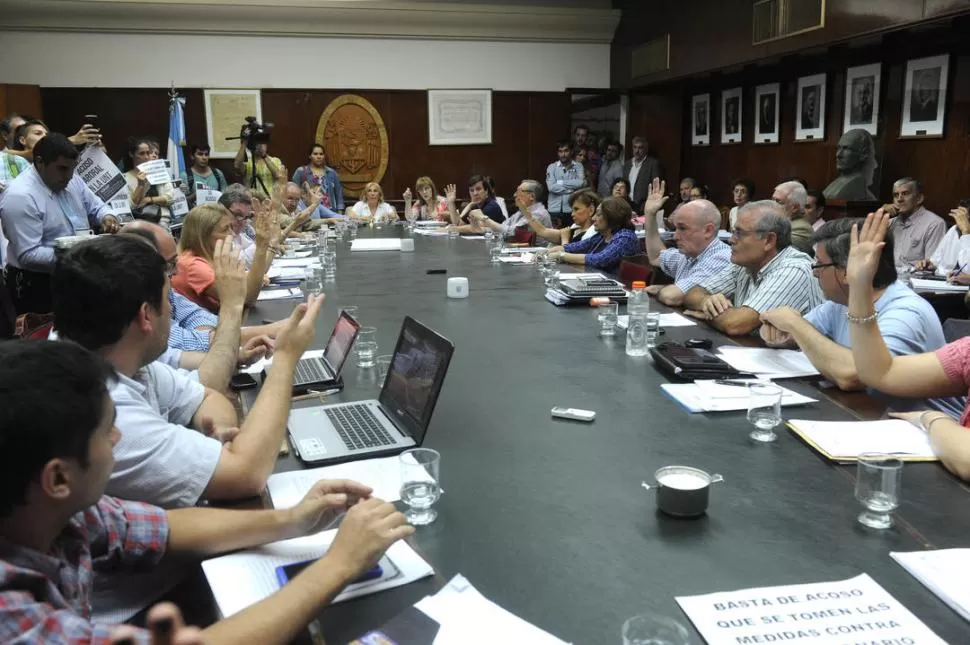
column 835, row 208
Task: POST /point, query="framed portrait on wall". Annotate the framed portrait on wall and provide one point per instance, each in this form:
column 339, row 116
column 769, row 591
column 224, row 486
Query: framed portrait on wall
column 810, row 109
column 700, row 120
column 731, row 116
column 862, row 98
column 766, row 124
column 924, row 99
column 225, row 114
column 459, row 117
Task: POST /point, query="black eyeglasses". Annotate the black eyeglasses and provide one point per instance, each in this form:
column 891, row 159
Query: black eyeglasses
column 740, row 232
column 819, row 267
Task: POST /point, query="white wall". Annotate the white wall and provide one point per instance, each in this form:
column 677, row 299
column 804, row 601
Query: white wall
column 141, row 60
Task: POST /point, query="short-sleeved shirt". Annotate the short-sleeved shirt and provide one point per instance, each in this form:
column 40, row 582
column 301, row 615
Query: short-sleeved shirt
column 907, row 323
column 955, row 359
column 518, row 220
column 917, row 236
column 46, row 597
column 187, row 318
column 492, row 209
column 690, row 272
column 159, row 459
column 264, row 175
column 385, row 212
column 193, row 277
column 786, row 280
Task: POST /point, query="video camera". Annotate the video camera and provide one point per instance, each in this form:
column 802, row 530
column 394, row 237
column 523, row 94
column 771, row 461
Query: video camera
column 254, row 132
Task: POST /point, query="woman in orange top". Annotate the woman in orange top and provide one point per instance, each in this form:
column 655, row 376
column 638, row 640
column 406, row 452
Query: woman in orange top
column 194, row 277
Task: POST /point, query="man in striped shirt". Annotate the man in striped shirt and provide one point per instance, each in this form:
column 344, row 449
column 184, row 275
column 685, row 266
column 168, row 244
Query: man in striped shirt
column 699, row 255
column 766, row 272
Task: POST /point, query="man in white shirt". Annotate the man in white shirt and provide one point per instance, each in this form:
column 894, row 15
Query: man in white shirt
column 171, row 451
column 527, row 196
column 952, row 254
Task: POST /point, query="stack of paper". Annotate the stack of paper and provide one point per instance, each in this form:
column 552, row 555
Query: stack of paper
column 295, row 262
column 285, row 273
column 666, row 320
column 938, row 285
column 845, row 440
column 710, row 396
column 457, row 615
column 508, row 250
column 856, row 610
column 383, row 475
column 521, row 258
column 431, row 232
column 280, row 294
column 769, row 363
column 944, row 572
column 242, row 579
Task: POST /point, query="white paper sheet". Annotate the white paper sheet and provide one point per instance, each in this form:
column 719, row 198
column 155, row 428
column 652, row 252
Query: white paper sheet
column 156, row 171
column 292, row 273
column 944, row 572
column 666, row 320
column 280, row 294
column 773, row 363
column 707, row 396
column 827, row 613
column 849, row 439
column 206, row 196
column 473, row 237
column 242, row 579
column 263, row 363
column 376, row 244
column 523, row 258
column 938, row 285
column 291, row 263
column 467, row 617
column 431, row 232
column 383, row 475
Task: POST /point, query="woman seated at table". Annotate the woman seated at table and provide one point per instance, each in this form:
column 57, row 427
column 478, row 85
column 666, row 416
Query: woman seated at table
column 372, row 207
column 945, row 372
column 318, row 173
column 621, row 189
column 743, row 193
column 613, row 241
column 194, row 276
column 146, row 201
column 429, row 205
column 583, row 203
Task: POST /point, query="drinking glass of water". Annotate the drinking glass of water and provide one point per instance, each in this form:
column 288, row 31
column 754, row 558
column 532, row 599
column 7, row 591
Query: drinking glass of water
column 877, row 487
column 312, row 282
column 764, row 410
column 453, row 233
column 653, row 629
column 420, row 484
column 366, row 347
column 607, row 315
column 494, row 253
column 329, row 261
column 653, row 328
column 383, row 365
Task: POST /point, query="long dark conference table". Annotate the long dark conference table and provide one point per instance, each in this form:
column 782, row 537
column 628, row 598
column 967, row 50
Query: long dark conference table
column 547, row 517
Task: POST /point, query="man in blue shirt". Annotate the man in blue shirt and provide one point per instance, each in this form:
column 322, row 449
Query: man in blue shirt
column 906, row 321
column 563, row 177
column 42, row 204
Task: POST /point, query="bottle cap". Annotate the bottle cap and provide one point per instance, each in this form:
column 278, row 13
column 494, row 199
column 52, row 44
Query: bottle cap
column 639, row 284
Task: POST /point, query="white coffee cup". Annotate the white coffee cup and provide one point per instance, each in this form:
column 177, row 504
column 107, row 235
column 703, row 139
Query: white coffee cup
column 457, row 287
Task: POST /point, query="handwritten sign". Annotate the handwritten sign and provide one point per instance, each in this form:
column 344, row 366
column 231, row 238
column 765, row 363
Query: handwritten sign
column 205, row 195
column 856, row 610
column 100, row 174
column 156, row 171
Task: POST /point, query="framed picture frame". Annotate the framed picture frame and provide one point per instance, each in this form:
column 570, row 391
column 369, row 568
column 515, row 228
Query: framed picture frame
column 767, row 108
column 700, row 120
column 731, row 130
column 810, row 108
column 924, row 99
column 862, row 85
column 459, row 117
column 225, row 114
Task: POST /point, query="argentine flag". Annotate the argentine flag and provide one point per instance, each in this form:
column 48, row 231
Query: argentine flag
column 176, row 135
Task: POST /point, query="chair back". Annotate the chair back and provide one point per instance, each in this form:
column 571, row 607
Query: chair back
column 955, row 329
column 631, row 272
column 524, row 236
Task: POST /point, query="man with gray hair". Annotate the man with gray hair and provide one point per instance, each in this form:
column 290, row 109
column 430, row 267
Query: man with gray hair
column 699, row 255
column 527, row 199
column 238, row 200
column 766, row 273
column 917, row 231
column 792, row 197
column 906, row 321
column 640, row 170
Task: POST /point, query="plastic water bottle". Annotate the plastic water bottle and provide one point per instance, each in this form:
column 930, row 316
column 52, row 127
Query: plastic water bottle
column 638, row 307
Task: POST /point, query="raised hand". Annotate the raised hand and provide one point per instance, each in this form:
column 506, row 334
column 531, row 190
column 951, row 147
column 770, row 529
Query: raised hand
column 266, row 226
column 962, row 219
column 865, row 248
column 451, row 193
column 230, row 274
column 407, row 194
column 655, row 197
column 299, row 329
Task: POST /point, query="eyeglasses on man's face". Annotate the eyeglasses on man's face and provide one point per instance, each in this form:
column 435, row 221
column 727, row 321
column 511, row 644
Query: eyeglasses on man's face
column 740, row 233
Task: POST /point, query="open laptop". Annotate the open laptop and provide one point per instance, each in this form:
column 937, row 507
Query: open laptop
column 323, row 373
column 397, row 420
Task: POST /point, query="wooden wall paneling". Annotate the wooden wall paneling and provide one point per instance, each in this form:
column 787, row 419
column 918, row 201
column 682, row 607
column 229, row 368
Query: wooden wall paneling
column 22, row 99
column 659, row 117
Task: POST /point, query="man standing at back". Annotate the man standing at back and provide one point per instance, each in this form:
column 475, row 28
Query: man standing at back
column 766, row 272
column 916, row 231
column 611, row 170
column 640, row 170
column 699, row 255
column 563, row 177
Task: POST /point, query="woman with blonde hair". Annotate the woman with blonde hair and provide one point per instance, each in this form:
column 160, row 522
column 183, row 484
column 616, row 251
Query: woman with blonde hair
column 194, row 276
column 371, row 206
column 429, row 205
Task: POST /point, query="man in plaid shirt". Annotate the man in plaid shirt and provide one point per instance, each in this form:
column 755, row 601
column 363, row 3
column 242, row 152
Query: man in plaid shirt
column 57, row 530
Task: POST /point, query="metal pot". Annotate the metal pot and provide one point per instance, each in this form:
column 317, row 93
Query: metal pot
column 683, row 491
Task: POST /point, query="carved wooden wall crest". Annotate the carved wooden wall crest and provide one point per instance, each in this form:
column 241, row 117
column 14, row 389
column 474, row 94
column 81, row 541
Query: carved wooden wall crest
column 353, row 134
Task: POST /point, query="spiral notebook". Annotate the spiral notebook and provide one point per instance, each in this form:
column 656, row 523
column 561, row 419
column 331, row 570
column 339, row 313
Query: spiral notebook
column 844, row 441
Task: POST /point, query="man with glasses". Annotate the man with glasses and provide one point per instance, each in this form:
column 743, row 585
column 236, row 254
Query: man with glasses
column 906, row 321
column 766, row 273
column 239, row 201
column 699, row 255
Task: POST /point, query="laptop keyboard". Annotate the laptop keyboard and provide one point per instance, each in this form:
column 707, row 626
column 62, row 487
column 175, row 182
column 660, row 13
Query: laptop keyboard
column 358, row 427
column 310, row 370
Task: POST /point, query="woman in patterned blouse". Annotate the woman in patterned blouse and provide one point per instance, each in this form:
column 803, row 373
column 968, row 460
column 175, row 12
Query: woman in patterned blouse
column 614, row 239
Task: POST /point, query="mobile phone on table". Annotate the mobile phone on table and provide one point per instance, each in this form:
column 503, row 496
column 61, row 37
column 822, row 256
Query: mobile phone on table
column 289, row 571
column 242, row 381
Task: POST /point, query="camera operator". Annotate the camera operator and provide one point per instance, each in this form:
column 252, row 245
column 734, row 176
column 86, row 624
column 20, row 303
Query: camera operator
column 259, row 169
